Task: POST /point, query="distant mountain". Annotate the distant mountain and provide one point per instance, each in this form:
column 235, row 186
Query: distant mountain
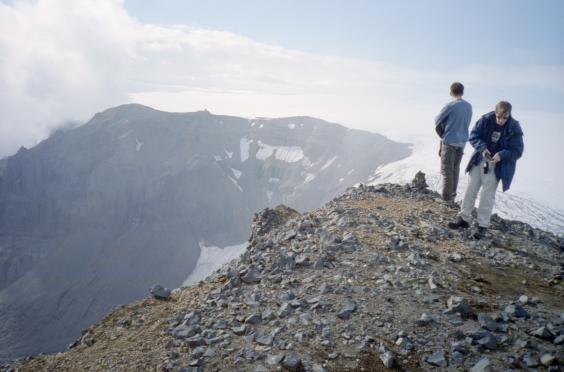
column 93, row 216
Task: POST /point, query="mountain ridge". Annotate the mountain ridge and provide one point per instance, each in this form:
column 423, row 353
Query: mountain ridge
column 371, row 280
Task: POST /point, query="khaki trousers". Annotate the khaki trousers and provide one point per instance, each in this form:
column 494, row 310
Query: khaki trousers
column 450, row 169
column 488, row 183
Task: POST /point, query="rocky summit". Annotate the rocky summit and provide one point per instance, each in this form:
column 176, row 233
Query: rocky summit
column 371, row 281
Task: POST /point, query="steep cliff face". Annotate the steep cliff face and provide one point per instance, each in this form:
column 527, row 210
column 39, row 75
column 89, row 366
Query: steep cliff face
column 92, row 216
column 372, row 280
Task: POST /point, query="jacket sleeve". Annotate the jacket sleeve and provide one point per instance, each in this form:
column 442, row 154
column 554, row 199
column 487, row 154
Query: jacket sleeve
column 515, row 146
column 443, row 114
column 478, row 135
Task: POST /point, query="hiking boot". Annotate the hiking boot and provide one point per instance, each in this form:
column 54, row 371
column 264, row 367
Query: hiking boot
column 459, row 223
column 480, row 233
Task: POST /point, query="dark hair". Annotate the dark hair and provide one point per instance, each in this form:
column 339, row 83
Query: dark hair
column 457, row 89
column 503, row 107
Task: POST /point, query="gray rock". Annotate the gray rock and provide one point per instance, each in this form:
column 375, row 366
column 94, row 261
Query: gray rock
column 260, row 368
column 547, row 359
column 455, row 257
column 254, row 318
column 159, row 292
column 197, row 352
column 252, row 276
column 240, row 330
column 210, row 353
column 296, row 303
column 437, row 359
column 292, row 362
column 457, row 357
column 195, row 341
column 488, row 323
column 274, row 360
column 483, row 365
column 268, row 315
column 458, row 305
column 286, row 296
column 419, row 183
column 326, row 288
column 264, row 339
column 347, row 309
column 318, row 368
column 542, row 332
column 184, row 331
column 425, row 319
column 460, row 346
column 284, row 310
column 387, row 359
column 488, row 342
column 559, row 340
column 515, row 311
column 530, row 360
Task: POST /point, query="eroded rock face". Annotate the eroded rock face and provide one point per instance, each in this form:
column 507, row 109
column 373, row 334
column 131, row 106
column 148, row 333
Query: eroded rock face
column 268, row 219
column 367, row 307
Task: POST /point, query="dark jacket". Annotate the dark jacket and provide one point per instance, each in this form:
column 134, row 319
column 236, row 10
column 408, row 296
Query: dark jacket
column 510, row 146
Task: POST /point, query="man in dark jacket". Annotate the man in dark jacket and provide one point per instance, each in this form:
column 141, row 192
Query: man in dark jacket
column 498, row 142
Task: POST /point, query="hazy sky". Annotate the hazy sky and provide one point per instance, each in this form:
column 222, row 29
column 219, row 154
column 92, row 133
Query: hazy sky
column 383, row 66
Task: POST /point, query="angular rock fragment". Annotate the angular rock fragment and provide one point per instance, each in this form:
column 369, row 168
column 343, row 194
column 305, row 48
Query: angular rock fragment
column 159, row 292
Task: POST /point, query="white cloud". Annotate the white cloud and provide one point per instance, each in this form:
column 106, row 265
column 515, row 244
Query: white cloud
column 60, row 60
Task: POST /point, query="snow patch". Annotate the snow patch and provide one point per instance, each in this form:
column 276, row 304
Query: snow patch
column 236, row 172
column 341, row 180
column 212, row 258
column 292, row 126
column 244, row 146
column 273, row 179
column 306, row 162
column 124, row 135
column 328, row 163
column 289, row 154
column 235, row 183
column 269, row 196
column 217, row 158
column 350, row 172
column 310, row 177
column 138, row 145
column 229, row 154
column 261, row 126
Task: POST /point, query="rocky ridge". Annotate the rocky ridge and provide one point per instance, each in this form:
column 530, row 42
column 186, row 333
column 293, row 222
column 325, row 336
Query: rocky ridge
column 372, row 280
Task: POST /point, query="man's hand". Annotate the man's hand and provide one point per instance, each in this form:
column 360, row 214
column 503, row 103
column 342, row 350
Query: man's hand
column 496, row 158
column 486, row 154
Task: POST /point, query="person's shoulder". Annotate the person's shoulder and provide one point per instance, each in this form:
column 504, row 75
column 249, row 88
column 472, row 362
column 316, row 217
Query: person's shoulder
column 515, row 125
column 490, row 115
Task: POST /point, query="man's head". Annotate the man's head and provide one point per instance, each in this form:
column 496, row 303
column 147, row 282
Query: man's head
column 456, row 90
column 502, row 112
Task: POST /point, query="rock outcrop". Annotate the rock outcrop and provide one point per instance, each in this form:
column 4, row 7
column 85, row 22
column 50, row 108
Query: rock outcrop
column 372, row 280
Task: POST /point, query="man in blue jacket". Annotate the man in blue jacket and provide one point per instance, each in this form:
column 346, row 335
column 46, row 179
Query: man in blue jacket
column 452, row 126
column 498, row 142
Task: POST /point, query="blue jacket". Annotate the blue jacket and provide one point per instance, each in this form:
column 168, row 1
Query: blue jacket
column 510, row 146
column 455, row 116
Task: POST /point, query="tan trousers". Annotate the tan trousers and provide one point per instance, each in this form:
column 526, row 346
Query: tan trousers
column 450, row 169
column 488, row 183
